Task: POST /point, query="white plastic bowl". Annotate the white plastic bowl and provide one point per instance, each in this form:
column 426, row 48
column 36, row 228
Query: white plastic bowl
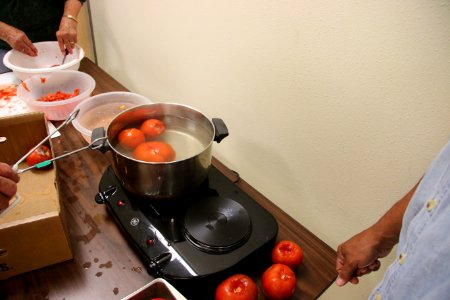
column 48, row 60
column 66, row 81
column 99, row 110
column 156, row 288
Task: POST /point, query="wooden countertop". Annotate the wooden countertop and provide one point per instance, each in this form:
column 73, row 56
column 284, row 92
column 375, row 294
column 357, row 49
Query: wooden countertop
column 104, row 265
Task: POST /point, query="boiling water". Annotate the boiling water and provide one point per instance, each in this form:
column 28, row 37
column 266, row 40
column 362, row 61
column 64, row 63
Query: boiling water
column 184, row 144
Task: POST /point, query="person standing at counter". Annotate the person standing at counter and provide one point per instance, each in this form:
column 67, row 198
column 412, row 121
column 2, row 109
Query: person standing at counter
column 420, row 224
column 24, row 22
column 8, row 184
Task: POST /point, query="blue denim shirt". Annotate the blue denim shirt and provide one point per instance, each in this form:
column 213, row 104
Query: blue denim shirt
column 422, row 267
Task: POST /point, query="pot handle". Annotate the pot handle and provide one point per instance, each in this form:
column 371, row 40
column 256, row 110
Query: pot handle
column 100, row 133
column 220, row 129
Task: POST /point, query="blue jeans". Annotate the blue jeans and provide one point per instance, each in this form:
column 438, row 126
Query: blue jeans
column 3, row 68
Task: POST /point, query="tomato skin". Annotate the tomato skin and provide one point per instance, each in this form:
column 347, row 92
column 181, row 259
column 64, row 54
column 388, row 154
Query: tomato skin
column 152, row 128
column 154, row 151
column 237, row 287
column 130, row 138
column 42, row 153
column 278, row 282
column 288, row 253
column 25, row 86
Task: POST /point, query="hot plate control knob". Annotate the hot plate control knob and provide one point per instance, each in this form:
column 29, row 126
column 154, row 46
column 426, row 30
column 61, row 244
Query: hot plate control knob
column 101, row 197
column 155, row 265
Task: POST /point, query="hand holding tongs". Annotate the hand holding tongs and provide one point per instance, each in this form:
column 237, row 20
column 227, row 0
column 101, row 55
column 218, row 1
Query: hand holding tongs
column 93, row 145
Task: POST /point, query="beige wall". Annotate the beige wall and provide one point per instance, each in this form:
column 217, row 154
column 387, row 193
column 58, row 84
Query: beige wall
column 335, row 108
column 84, row 32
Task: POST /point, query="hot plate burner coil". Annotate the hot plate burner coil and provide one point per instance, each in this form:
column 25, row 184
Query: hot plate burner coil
column 217, row 225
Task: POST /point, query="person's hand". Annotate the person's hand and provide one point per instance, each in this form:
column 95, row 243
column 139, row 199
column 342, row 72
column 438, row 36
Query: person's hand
column 67, row 35
column 359, row 256
column 8, row 184
column 18, row 40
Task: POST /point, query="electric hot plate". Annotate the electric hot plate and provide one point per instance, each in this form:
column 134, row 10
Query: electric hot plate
column 198, row 235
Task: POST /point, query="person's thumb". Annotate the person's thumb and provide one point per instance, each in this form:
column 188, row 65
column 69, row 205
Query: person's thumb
column 340, row 281
column 345, row 273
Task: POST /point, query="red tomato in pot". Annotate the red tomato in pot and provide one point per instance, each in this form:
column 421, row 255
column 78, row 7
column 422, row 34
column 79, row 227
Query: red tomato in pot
column 158, row 299
column 154, row 151
column 278, row 282
column 288, row 253
column 237, row 287
column 42, row 153
column 130, row 138
column 153, row 128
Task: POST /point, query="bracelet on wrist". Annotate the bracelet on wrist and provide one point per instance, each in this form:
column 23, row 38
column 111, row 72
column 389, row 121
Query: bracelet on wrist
column 71, row 17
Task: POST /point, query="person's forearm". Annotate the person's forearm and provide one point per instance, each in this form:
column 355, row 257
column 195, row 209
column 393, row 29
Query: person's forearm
column 389, row 225
column 4, row 30
column 72, row 8
column 67, row 33
column 360, row 254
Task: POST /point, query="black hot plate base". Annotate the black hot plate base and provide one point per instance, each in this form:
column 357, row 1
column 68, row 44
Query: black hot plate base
column 185, row 240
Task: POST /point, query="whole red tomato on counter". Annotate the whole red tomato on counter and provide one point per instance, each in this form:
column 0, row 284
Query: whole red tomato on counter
column 152, row 128
column 288, row 253
column 278, row 282
column 130, row 138
column 154, row 152
column 42, row 153
column 237, row 287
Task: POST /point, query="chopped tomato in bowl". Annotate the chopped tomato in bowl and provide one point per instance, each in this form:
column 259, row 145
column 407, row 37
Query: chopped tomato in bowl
column 57, row 94
column 7, row 92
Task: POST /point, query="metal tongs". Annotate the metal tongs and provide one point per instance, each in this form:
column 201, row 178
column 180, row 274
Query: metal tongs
column 93, row 145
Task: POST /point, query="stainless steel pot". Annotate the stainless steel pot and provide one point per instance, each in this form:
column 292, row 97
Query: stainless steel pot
column 188, row 131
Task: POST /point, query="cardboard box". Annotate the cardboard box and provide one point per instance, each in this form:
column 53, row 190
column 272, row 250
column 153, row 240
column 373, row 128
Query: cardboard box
column 33, row 232
column 157, row 288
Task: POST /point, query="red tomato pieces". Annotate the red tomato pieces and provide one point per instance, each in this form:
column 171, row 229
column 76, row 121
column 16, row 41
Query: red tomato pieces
column 152, row 128
column 288, row 253
column 237, row 287
column 130, row 138
column 58, row 95
column 7, row 92
column 154, row 151
column 42, row 153
column 43, row 79
column 278, row 282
